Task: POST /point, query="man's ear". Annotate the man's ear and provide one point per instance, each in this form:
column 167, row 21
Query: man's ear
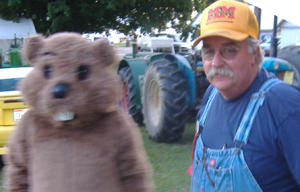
column 255, row 55
column 30, row 51
column 104, row 52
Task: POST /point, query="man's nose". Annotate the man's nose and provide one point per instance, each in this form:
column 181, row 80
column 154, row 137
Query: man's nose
column 217, row 60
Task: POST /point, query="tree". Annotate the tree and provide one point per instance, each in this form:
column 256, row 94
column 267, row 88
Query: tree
column 88, row 16
column 50, row 16
column 186, row 28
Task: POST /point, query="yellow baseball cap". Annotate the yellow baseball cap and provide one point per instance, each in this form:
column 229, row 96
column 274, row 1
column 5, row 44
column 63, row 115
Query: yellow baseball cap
column 229, row 19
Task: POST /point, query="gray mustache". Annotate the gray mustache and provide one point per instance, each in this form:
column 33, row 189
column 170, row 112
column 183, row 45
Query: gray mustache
column 219, row 71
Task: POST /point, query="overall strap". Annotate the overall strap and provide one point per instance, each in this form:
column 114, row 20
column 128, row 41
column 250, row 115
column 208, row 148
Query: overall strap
column 208, row 104
column 256, row 100
column 201, row 124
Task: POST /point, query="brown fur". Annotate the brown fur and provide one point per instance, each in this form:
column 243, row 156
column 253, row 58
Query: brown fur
column 100, row 149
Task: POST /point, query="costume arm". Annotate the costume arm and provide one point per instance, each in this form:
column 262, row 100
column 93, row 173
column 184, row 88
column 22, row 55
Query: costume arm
column 289, row 134
column 15, row 170
column 133, row 162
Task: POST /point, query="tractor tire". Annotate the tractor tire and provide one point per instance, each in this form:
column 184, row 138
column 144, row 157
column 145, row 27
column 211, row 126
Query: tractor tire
column 128, row 100
column 164, row 101
column 201, row 85
column 292, row 55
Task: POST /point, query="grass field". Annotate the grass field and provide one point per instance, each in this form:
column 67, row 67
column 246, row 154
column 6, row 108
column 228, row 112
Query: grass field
column 169, row 161
column 120, row 44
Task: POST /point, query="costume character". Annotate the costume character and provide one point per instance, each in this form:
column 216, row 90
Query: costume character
column 74, row 137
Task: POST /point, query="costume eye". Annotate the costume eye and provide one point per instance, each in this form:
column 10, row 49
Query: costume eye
column 48, row 53
column 47, row 71
column 83, row 72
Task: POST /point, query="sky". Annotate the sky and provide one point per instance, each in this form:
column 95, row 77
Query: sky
column 267, row 19
column 284, row 9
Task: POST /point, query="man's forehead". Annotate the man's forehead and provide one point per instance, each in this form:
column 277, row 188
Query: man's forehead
column 220, row 41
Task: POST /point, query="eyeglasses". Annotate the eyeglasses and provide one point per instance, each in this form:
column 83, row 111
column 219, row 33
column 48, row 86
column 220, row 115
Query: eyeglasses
column 228, row 52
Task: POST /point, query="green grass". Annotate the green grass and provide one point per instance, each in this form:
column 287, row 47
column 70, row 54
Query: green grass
column 169, row 161
column 120, row 44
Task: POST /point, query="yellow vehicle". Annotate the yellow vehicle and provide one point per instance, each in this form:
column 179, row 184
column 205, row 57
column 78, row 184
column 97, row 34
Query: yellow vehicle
column 12, row 106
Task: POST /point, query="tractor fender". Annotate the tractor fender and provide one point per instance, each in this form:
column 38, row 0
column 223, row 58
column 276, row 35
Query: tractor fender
column 276, row 64
column 138, row 68
column 187, row 72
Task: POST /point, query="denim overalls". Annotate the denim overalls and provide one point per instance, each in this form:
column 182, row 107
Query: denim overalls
column 226, row 170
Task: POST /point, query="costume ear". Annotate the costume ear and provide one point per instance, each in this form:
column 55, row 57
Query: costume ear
column 104, row 52
column 30, row 51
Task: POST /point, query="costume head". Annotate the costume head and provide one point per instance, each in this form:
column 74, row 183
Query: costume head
column 72, row 80
column 229, row 19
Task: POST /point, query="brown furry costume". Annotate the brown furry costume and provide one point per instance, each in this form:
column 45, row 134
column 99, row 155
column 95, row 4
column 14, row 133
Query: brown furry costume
column 100, row 149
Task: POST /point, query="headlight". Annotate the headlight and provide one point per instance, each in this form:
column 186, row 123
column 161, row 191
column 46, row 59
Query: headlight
column 276, row 66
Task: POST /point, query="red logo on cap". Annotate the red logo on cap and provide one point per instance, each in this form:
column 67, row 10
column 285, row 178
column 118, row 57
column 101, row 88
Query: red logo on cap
column 221, row 14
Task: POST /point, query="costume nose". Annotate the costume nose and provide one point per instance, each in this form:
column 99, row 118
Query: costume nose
column 60, row 91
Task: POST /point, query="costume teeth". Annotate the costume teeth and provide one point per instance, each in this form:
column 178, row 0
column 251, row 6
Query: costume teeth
column 63, row 116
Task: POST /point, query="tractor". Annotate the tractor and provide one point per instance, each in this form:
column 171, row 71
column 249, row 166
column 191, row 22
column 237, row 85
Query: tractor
column 161, row 89
column 13, row 53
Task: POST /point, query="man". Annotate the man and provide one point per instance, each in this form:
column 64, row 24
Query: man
column 249, row 121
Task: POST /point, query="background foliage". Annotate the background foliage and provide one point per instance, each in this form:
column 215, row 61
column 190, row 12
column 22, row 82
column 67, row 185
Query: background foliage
column 88, row 16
